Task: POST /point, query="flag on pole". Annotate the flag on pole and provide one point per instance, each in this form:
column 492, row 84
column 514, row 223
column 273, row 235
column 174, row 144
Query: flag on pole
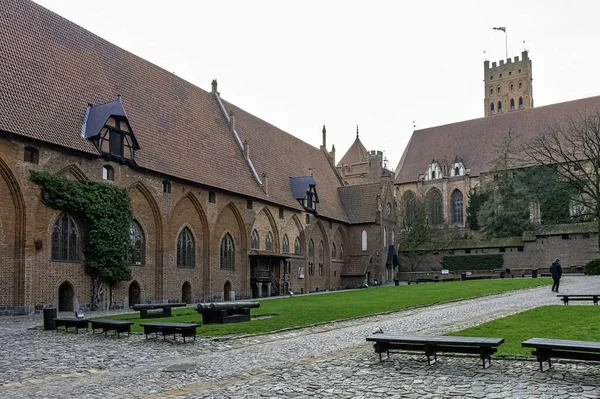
column 502, row 28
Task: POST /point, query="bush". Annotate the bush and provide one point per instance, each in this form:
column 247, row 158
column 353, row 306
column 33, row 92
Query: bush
column 473, row 262
column 593, row 267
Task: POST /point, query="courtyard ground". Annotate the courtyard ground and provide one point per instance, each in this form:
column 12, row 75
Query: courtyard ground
column 330, row 360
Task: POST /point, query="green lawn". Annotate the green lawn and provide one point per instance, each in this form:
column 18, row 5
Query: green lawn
column 560, row 322
column 306, row 310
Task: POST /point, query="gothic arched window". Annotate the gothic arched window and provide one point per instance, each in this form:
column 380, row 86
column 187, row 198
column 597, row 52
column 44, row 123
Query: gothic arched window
column 65, row 239
column 512, row 104
column 285, row 245
column 185, row 248
column 136, row 244
column 434, row 206
column 269, row 242
column 384, row 237
column 456, row 171
column 227, row 252
column 499, row 106
column 321, row 252
column 254, row 242
column 341, row 252
column 457, row 207
column 297, row 249
column 491, row 108
column 520, row 102
column 333, row 254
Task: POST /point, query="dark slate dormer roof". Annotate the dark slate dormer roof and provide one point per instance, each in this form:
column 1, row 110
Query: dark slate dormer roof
column 96, row 116
column 300, row 185
column 357, row 153
column 360, row 202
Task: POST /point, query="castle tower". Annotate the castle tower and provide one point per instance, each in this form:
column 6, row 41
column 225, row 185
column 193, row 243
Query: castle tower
column 508, row 86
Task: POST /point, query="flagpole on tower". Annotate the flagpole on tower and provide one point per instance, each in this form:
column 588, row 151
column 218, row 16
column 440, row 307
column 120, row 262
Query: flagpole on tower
column 503, row 29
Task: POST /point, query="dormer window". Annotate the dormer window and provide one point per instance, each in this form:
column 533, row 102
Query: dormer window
column 115, row 139
column 434, row 171
column 107, row 126
column 304, row 191
column 458, row 167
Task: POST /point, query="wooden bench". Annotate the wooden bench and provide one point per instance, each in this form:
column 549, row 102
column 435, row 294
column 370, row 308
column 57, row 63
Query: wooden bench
column 118, row 326
column 545, row 349
column 146, row 310
column 67, row 322
column 579, row 297
column 184, row 329
column 431, row 345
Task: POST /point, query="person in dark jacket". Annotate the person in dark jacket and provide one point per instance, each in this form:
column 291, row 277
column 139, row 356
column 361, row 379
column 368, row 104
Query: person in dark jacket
column 556, row 271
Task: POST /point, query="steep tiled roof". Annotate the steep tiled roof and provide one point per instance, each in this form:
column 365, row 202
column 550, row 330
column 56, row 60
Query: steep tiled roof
column 356, row 153
column 51, row 69
column 474, row 140
column 356, row 265
column 360, row 202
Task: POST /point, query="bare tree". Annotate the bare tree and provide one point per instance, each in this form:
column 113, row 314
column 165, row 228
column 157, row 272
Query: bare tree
column 572, row 148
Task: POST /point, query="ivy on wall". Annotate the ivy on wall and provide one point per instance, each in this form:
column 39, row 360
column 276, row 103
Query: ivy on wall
column 473, row 262
column 105, row 213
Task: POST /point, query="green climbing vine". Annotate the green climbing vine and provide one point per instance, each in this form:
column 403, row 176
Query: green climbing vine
column 105, row 213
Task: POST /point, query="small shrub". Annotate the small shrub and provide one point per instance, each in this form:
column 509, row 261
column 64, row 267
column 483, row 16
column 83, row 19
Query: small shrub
column 593, row 267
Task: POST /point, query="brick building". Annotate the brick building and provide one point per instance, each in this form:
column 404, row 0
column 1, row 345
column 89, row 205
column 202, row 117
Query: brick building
column 443, row 164
column 225, row 204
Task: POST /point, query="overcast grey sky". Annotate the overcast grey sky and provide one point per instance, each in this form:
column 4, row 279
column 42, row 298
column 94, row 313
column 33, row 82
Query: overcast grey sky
column 378, row 64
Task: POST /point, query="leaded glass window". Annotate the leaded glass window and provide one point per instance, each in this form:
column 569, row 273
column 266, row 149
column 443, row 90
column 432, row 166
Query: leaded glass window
column 227, row 252
column 185, row 248
column 65, row 239
column 136, row 244
column 254, row 243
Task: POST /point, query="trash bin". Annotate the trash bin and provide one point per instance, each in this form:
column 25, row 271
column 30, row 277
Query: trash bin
column 533, row 273
column 463, row 276
column 502, row 274
column 49, row 316
column 396, row 282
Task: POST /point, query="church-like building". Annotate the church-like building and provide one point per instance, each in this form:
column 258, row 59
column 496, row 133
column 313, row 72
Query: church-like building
column 442, row 165
column 225, row 204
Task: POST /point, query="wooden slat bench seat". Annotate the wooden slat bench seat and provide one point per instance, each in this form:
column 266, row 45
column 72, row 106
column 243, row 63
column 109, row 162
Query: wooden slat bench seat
column 546, row 349
column 579, row 297
column 147, row 310
column 184, row 329
column 118, row 326
column 431, row 345
column 67, row 322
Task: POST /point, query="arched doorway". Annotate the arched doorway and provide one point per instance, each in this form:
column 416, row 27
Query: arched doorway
column 186, row 292
column 227, row 291
column 286, row 288
column 134, row 293
column 368, row 278
column 65, row 297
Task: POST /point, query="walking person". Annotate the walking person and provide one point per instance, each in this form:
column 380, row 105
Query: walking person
column 556, row 272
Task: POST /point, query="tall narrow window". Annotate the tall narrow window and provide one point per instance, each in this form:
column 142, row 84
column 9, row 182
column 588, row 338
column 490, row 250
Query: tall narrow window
column 166, row 186
column 65, row 240
column 520, row 85
column 491, row 90
column 498, row 91
column 297, row 250
column 520, row 102
column 364, row 240
column 512, row 104
column 384, row 237
column 31, row 154
column 311, row 257
column 227, row 252
column 136, row 244
column 457, row 207
column 341, row 252
column 434, row 206
column 185, row 248
column 269, row 242
column 285, row 245
column 512, row 86
column 491, row 108
column 254, row 242
column 321, row 257
column 393, row 237
column 333, row 254
column 499, row 106
column 456, row 171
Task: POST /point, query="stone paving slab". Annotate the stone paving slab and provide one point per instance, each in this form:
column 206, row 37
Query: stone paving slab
column 331, row 360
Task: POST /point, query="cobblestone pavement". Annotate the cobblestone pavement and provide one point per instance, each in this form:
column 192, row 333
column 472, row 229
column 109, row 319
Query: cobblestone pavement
column 330, row 360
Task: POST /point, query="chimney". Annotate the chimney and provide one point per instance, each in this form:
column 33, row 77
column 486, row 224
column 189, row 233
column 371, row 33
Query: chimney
column 246, row 149
column 265, row 182
column 332, row 156
column 232, row 121
column 324, row 137
column 214, row 86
